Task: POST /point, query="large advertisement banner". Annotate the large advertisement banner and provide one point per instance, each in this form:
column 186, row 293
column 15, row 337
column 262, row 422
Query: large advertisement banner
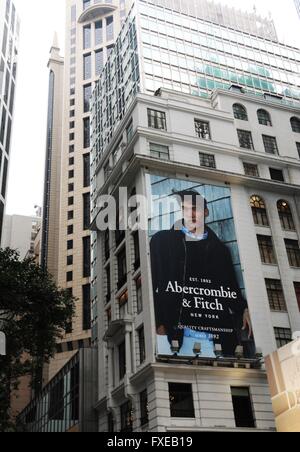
column 198, row 287
column 283, row 369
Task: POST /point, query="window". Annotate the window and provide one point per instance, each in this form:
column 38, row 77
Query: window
column 139, row 295
column 251, row 170
column 69, row 276
column 69, row 260
column 99, row 61
column 270, row 144
column 297, row 291
column 264, row 118
column 87, row 66
column 202, row 129
column 276, row 295
column 120, row 232
column 69, row 328
column 71, row 161
column 108, row 284
column 86, row 170
column 136, row 242
column 71, row 187
column 259, row 211
column 242, row 407
column 87, row 37
column 87, row 92
column 240, row 112
column 266, row 249
column 56, row 401
column 207, row 160
column 295, row 123
column 122, row 268
column 106, row 245
column 71, row 201
column 157, row 119
column 159, row 152
column 181, row 400
column 70, row 229
column 286, row 216
column 4, row 178
column 110, row 28
column 129, row 131
column 245, row 139
column 298, row 148
column 277, row 175
column 123, row 304
column 293, row 252
column 283, row 336
column 70, row 215
column 71, row 148
column 86, row 242
column 71, row 174
column 122, row 360
column 86, row 4
column 110, row 423
column 98, row 33
column 144, row 408
column 126, row 418
column 86, row 308
column 70, row 245
column 86, row 133
column 142, row 346
column 86, row 211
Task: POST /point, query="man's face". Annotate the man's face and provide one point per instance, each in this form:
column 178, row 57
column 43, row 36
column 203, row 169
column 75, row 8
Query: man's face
column 194, row 216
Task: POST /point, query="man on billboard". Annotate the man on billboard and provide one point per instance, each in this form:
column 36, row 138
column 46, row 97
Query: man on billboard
column 196, row 294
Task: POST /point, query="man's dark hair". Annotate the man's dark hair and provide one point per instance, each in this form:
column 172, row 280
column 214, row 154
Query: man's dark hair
column 193, row 195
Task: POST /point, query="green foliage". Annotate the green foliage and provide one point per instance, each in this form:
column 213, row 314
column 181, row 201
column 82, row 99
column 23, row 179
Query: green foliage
column 33, row 315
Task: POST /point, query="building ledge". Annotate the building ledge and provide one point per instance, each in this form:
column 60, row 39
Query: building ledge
column 96, row 11
column 115, row 327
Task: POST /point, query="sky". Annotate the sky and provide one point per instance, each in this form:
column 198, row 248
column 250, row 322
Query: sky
column 39, row 20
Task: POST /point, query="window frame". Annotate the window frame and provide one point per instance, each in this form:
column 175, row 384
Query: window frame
column 241, row 139
column 241, row 114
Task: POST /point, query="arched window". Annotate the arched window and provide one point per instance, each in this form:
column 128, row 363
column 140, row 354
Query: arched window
column 259, row 211
column 264, row 118
column 295, row 123
column 240, row 112
column 286, row 216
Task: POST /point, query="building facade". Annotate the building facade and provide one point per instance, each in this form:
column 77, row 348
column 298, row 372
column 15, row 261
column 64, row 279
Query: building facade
column 184, row 102
column 52, row 181
column 9, row 35
column 19, row 233
column 91, row 30
column 264, row 184
column 66, row 403
column 179, row 50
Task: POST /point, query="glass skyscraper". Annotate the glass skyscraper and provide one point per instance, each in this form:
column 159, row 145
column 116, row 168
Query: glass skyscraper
column 192, row 47
column 9, row 34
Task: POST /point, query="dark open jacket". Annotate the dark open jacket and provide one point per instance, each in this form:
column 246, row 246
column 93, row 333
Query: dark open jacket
column 168, row 258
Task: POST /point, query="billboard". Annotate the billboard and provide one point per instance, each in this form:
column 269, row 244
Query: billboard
column 198, row 287
column 283, row 369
